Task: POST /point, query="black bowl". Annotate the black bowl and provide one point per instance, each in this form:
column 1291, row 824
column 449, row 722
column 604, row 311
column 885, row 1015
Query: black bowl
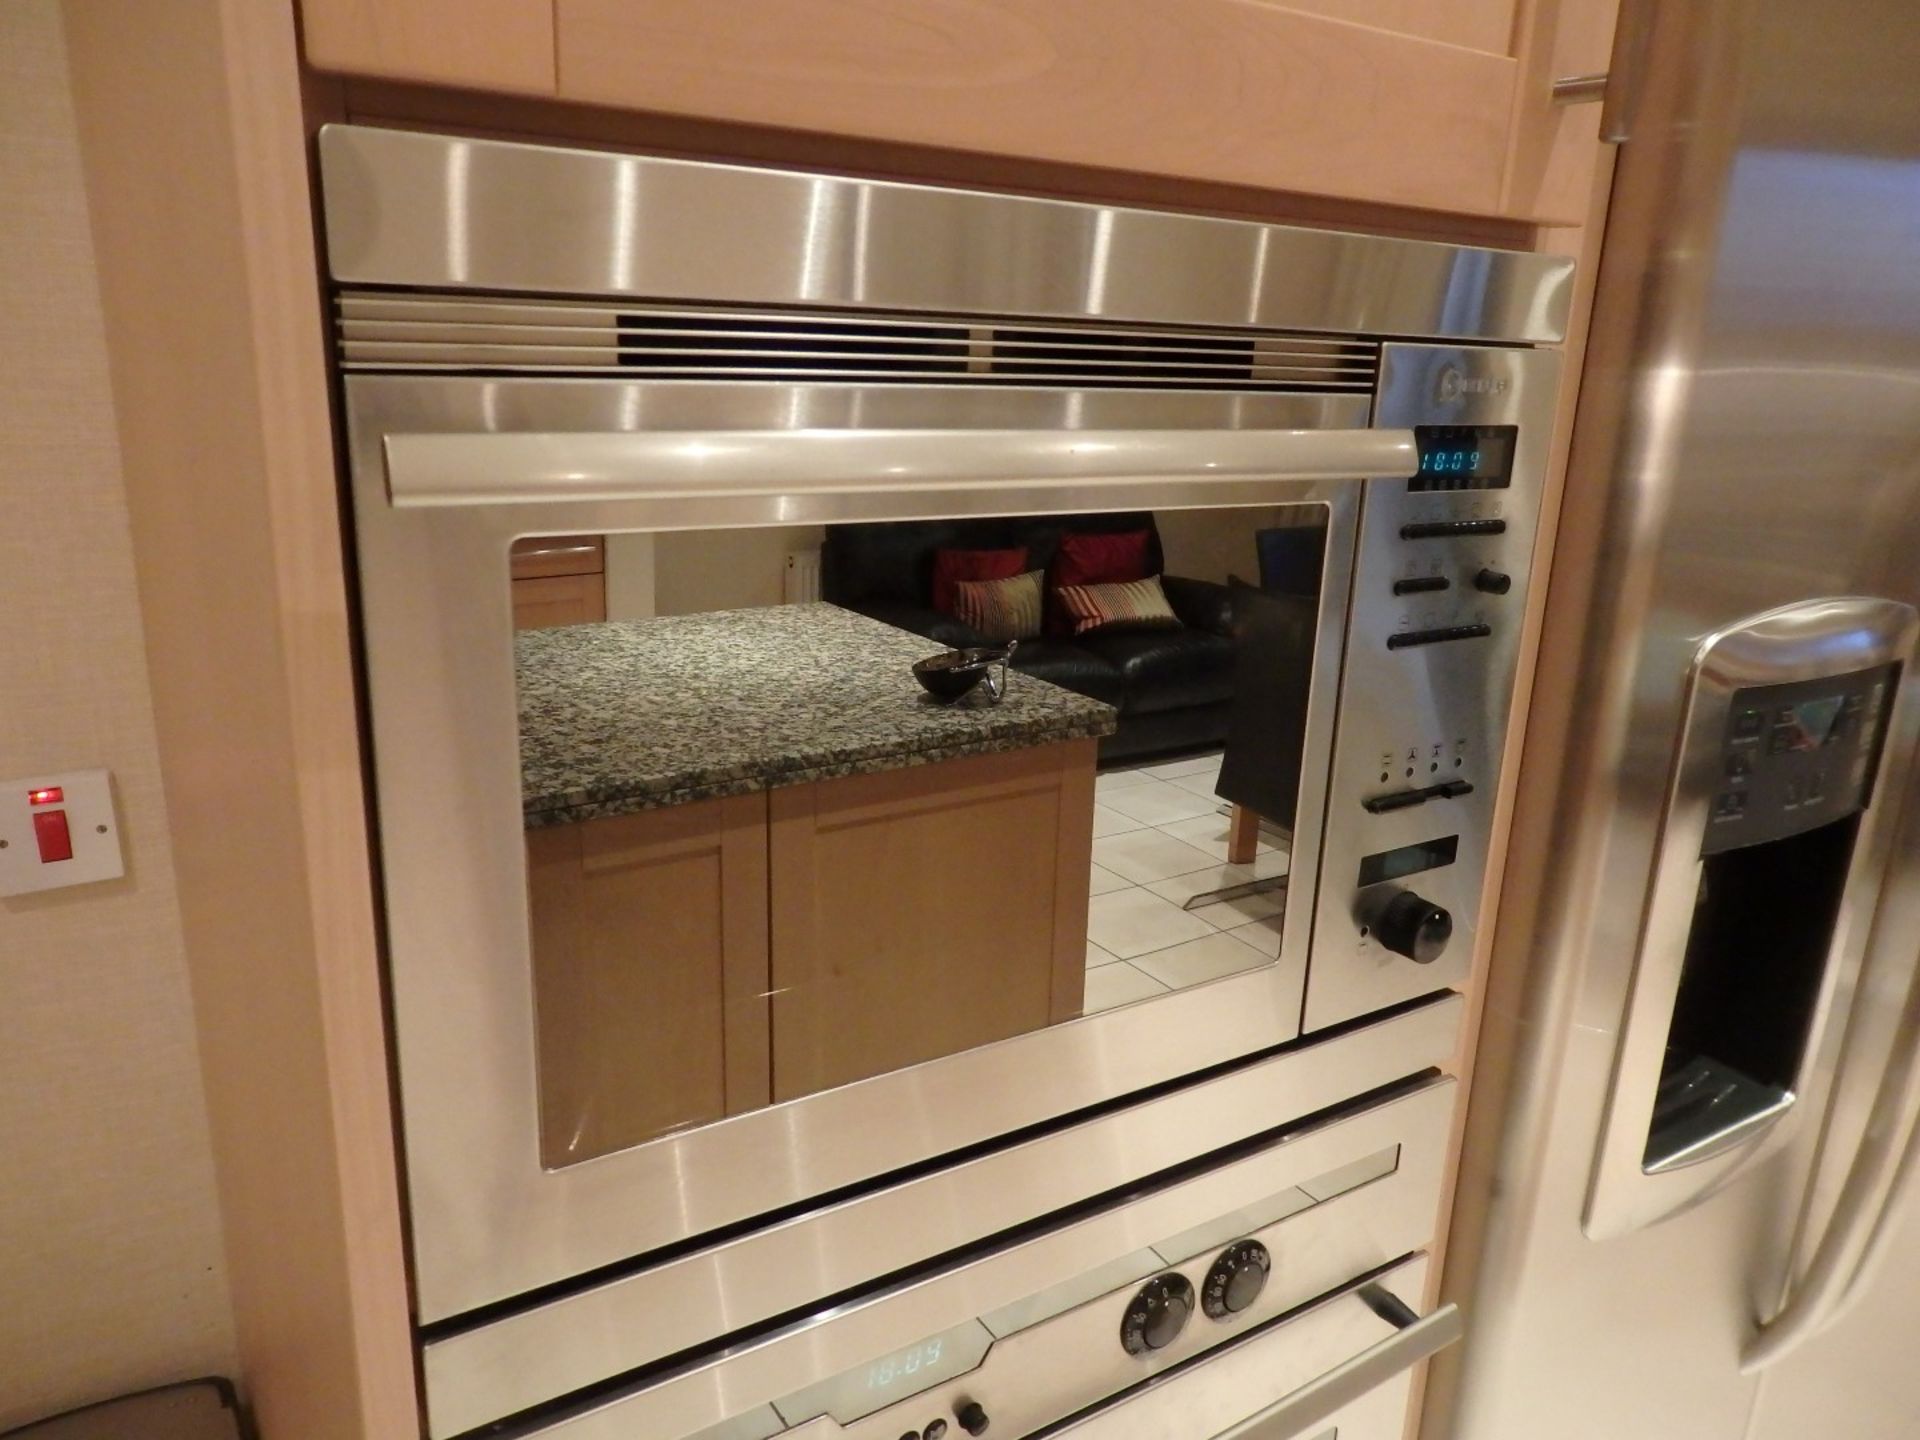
column 953, row 673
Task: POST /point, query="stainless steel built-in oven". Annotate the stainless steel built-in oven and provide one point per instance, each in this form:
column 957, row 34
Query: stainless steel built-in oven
column 785, row 1050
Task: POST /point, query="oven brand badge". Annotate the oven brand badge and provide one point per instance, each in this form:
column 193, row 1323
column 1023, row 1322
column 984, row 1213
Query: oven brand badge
column 1455, row 386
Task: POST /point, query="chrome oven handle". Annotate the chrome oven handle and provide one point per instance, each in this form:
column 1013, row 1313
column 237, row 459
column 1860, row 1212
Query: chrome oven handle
column 495, row 467
column 1416, row 1340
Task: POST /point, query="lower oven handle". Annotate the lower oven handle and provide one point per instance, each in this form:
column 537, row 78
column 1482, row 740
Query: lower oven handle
column 1418, row 1338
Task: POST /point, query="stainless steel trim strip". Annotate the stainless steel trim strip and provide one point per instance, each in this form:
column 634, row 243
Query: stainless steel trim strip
column 441, row 211
column 491, row 468
column 553, row 1349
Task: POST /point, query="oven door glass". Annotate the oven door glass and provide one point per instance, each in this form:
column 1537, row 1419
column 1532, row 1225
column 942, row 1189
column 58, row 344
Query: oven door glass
column 804, row 805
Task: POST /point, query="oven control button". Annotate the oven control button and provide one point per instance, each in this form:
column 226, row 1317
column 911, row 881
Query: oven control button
column 1415, row 928
column 1157, row 1314
column 936, row 1429
column 1493, row 582
column 1236, row 1279
column 972, row 1417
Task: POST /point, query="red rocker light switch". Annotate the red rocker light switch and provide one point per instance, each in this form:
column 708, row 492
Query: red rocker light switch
column 57, row 830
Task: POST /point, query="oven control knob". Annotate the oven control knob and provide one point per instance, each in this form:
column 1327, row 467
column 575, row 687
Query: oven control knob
column 1415, row 928
column 1236, row 1279
column 1157, row 1314
column 1493, row 582
column 972, row 1417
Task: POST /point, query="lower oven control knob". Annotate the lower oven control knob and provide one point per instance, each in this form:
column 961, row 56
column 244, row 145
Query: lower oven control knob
column 1415, row 928
column 1157, row 1314
column 1236, row 1279
column 972, row 1417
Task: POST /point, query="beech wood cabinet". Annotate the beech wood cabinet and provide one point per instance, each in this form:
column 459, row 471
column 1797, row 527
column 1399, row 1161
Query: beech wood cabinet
column 701, row 960
column 1438, row 105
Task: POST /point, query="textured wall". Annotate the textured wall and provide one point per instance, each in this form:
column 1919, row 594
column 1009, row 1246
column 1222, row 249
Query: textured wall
column 110, row 1252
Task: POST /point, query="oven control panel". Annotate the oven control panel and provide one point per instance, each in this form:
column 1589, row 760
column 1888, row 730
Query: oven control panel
column 1031, row 1363
column 1439, row 589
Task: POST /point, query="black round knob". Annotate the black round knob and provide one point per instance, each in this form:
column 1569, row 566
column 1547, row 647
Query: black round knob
column 1238, row 1276
column 1415, row 928
column 972, row 1418
column 1494, row 582
column 1156, row 1314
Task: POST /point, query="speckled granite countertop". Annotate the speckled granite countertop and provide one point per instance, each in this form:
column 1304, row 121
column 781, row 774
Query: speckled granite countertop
column 641, row 714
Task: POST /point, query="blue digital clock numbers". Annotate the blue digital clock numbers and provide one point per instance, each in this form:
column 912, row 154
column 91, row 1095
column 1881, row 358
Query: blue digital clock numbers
column 904, row 1363
column 1463, row 457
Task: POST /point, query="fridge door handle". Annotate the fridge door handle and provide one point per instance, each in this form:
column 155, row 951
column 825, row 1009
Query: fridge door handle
column 1417, row 1339
column 1854, row 1244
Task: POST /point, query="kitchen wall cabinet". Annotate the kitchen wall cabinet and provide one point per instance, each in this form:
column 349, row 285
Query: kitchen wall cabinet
column 481, row 44
column 559, row 580
column 1436, row 107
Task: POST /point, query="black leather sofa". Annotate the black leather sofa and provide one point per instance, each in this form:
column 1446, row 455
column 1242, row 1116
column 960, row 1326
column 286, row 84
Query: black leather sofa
column 1173, row 687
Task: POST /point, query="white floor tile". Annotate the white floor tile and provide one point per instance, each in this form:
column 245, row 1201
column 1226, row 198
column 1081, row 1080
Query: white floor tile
column 1103, row 881
column 1144, row 856
column 1199, row 961
column 1231, row 914
column 1113, row 985
column 1263, row 935
column 1192, row 765
column 1108, row 781
column 1209, row 833
column 1182, row 888
column 1201, row 784
column 1158, row 803
column 1112, row 822
column 1268, row 863
column 1097, row 957
column 1138, row 922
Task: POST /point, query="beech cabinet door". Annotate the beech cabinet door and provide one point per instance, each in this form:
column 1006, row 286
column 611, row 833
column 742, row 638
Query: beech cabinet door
column 478, row 44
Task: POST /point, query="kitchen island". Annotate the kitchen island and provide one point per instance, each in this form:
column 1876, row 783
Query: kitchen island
column 762, row 862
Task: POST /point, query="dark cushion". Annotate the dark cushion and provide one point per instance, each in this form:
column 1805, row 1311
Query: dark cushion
column 1165, row 669
column 943, row 630
column 1072, row 667
column 893, row 560
column 1202, row 604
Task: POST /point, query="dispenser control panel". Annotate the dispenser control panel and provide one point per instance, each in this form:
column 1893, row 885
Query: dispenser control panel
column 1797, row 756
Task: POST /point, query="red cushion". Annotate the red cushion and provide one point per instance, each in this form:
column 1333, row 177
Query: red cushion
column 952, row 566
column 1097, row 558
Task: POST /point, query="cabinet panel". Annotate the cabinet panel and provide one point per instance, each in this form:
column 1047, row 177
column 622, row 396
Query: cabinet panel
column 543, row 555
column 482, row 44
column 650, row 966
column 559, row 600
column 921, row 912
column 1485, row 25
column 1228, row 90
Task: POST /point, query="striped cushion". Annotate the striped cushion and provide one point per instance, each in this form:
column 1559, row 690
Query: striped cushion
column 1130, row 602
column 1001, row 609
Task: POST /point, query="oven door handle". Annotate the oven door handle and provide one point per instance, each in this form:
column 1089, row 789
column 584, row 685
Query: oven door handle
column 1417, row 1339
column 494, row 467
column 1164, row 1409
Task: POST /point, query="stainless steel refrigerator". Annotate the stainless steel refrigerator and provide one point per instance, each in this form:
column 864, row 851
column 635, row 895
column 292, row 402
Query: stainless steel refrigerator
column 1685, row 1206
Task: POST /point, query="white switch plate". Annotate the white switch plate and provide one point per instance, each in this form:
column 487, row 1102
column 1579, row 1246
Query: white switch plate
column 87, row 798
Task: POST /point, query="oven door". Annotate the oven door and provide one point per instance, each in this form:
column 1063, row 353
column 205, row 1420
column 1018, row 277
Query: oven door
column 624, row 1023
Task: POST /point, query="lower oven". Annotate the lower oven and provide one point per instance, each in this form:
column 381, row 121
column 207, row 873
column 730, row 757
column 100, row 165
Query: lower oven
column 757, row 1013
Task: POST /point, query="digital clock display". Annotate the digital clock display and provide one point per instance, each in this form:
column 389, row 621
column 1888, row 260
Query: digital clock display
column 853, row 1395
column 1463, row 457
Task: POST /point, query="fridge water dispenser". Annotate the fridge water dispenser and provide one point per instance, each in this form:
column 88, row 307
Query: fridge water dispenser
column 1765, row 853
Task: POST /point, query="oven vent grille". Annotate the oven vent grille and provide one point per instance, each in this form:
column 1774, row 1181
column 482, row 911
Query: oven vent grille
column 475, row 335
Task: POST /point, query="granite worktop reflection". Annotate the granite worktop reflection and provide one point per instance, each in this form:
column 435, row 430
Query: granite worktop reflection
column 636, row 715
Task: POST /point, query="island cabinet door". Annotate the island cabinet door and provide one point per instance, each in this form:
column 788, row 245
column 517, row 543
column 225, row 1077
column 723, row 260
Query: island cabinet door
column 650, row 972
column 921, row 912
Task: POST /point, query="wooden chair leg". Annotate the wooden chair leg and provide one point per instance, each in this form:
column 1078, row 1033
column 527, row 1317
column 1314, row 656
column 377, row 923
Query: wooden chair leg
column 1243, row 836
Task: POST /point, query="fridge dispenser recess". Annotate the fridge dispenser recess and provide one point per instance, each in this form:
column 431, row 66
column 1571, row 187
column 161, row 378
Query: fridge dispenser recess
column 1765, row 851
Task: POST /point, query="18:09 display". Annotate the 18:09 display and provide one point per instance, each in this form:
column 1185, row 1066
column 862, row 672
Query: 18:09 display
column 1463, row 457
